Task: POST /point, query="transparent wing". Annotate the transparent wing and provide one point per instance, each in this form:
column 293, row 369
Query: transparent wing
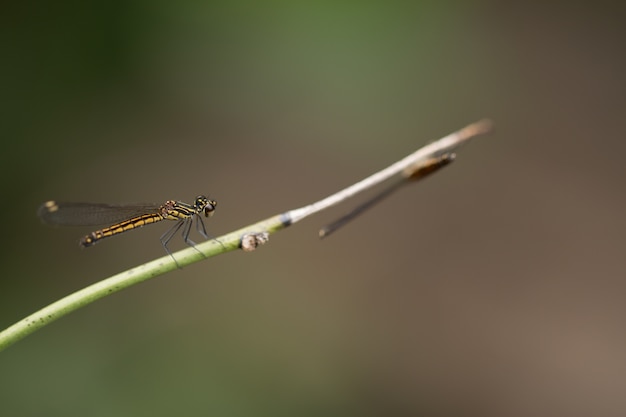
column 90, row 214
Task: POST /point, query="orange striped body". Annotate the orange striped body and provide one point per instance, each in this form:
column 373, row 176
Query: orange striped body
column 171, row 210
column 121, row 227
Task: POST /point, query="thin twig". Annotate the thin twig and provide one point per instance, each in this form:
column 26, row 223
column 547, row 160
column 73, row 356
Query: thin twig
column 409, row 176
column 260, row 232
column 415, row 161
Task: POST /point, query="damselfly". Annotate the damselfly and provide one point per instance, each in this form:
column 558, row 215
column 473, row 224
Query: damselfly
column 128, row 217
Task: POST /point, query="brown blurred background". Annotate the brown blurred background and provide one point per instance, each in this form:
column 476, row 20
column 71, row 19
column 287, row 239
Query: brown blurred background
column 494, row 288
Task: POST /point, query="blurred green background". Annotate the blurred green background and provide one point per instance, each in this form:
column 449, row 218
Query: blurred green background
column 494, row 288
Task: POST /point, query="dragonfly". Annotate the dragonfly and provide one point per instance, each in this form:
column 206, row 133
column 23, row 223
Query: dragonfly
column 125, row 217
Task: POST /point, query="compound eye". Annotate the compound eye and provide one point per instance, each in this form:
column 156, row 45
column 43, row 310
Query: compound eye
column 209, row 208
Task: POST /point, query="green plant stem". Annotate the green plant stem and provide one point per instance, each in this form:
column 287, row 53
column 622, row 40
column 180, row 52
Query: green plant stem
column 231, row 241
column 131, row 277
